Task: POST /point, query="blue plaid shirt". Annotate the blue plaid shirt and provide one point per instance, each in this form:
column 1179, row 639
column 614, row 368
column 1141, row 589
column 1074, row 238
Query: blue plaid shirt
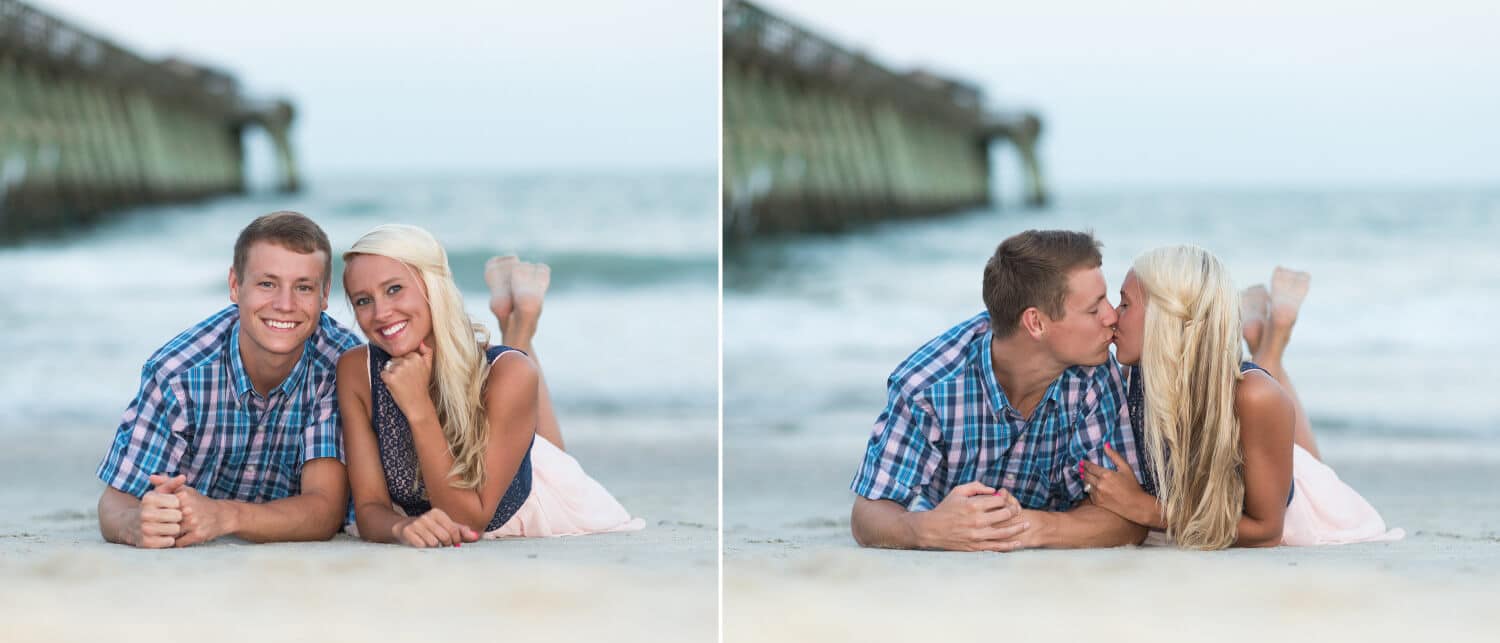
column 947, row 423
column 197, row 414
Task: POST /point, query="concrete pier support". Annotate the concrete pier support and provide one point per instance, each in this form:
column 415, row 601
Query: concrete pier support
column 88, row 128
column 276, row 119
column 817, row 138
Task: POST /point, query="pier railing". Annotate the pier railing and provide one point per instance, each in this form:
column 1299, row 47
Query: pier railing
column 753, row 32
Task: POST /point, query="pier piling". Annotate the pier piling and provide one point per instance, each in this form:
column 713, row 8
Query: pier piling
column 817, row 137
column 88, row 128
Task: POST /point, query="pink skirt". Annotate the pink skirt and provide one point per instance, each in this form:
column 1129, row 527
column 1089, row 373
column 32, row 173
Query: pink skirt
column 1325, row 511
column 564, row 501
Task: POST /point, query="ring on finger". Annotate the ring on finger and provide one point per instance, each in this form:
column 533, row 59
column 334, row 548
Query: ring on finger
column 1088, row 488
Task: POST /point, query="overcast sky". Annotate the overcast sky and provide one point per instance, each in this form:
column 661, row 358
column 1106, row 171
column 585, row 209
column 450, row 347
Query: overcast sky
column 448, row 85
column 1278, row 92
column 1274, row 92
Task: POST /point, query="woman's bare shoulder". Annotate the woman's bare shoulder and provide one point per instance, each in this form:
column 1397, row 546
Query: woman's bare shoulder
column 352, row 372
column 1262, row 406
column 511, row 369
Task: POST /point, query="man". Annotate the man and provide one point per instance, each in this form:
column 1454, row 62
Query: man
column 980, row 443
column 235, row 429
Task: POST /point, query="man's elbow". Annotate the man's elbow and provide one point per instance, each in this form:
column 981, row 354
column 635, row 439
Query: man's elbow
column 871, row 527
column 334, row 520
column 860, row 537
column 103, row 511
column 330, row 528
column 108, row 511
column 328, row 519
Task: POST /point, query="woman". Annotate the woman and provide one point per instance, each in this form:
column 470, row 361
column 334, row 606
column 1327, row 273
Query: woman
column 1228, row 446
column 459, row 435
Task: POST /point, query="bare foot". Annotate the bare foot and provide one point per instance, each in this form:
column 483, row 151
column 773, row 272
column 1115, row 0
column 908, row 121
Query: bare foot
column 1253, row 303
column 1288, row 289
column 497, row 276
column 528, row 285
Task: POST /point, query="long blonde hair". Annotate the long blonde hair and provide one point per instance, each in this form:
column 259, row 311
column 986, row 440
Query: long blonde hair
column 1190, row 358
column 459, row 366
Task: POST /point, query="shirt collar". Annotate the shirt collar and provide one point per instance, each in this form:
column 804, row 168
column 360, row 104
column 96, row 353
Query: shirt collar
column 241, row 379
column 996, row 395
column 992, row 392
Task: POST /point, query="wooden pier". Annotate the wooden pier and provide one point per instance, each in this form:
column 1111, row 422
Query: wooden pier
column 87, row 127
column 817, row 137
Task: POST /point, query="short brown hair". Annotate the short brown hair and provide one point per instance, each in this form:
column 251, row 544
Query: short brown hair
column 290, row 230
column 1031, row 269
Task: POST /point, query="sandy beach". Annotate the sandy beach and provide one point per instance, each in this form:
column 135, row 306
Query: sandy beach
column 792, row 571
column 63, row 583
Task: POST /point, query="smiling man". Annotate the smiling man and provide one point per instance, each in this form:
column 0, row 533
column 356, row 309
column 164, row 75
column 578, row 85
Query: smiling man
column 984, row 429
column 235, row 429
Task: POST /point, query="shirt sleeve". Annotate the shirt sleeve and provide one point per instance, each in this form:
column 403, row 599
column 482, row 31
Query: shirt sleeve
column 153, row 436
column 323, row 437
column 1107, row 420
column 900, row 459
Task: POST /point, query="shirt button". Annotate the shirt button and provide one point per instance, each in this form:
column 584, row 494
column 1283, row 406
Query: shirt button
column 250, row 469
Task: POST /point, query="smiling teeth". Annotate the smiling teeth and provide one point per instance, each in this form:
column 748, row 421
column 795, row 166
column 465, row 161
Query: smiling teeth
column 280, row 324
column 392, row 330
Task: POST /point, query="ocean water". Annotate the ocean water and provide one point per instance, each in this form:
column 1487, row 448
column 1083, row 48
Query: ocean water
column 629, row 328
column 1397, row 336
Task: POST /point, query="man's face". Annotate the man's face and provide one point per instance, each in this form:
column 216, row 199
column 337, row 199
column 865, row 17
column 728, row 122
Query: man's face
column 1130, row 331
column 280, row 299
column 1083, row 334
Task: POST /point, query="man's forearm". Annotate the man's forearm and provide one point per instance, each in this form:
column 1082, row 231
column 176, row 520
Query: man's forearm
column 883, row 523
column 1084, row 526
column 310, row 516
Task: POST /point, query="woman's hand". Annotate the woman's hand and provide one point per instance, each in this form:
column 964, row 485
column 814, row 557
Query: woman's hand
column 409, row 378
column 1118, row 490
column 432, row 529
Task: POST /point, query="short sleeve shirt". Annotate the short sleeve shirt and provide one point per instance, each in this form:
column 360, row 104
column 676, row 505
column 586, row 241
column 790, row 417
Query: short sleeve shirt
column 947, row 422
column 197, row 414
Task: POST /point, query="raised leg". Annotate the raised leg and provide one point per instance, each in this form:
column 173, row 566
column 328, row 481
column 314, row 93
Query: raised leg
column 1288, row 289
column 497, row 276
column 1253, row 303
column 517, row 289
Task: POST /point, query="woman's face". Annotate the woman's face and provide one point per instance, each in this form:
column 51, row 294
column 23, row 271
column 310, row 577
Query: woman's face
column 1131, row 327
column 390, row 302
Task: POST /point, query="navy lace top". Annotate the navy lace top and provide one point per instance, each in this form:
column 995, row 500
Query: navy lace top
column 398, row 455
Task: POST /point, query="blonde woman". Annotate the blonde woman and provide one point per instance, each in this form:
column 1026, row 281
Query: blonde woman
column 1229, row 450
column 457, row 434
